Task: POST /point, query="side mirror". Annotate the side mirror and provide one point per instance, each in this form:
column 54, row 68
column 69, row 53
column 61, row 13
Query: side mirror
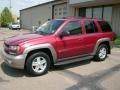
column 64, row 33
column 34, row 28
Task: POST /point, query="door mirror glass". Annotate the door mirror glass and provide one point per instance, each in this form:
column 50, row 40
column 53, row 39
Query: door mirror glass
column 64, row 33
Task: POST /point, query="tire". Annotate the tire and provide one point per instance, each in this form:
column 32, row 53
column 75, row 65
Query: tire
column 38, row 64
column 101, row 53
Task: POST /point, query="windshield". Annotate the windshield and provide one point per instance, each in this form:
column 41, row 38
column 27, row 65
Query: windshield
column 15, row 23
column 49, row 27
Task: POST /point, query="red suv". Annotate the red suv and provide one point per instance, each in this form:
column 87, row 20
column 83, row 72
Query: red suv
column 59, row 41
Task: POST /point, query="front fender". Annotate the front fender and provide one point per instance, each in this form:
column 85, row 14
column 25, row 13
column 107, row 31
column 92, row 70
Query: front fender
column 42, row 46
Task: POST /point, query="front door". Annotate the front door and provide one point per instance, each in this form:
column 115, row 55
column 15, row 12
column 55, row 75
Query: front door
column 73, row 44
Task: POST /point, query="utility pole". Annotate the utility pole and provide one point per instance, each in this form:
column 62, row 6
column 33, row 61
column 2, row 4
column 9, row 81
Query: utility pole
column 10, row 6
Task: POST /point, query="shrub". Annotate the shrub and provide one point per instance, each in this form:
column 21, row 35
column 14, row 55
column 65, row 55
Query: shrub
column 117, row 41
column 6, row 17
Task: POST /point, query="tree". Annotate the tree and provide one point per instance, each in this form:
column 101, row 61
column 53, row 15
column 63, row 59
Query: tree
column 6, row 17
column 0, row 19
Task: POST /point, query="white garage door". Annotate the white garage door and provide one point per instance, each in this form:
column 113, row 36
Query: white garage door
column 60, row 11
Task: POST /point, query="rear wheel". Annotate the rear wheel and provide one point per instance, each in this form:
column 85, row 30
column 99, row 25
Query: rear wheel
column 101, row 53
column 38, row 63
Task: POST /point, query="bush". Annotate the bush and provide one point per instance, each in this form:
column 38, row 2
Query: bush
column 117, row 41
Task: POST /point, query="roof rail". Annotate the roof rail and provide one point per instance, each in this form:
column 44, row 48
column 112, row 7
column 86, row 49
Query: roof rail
column 80, row 18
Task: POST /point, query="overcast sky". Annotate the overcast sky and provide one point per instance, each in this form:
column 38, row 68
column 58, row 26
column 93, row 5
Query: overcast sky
column 19, row 4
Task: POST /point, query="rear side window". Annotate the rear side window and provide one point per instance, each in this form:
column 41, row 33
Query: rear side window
column 90, row 27
column 105, row 26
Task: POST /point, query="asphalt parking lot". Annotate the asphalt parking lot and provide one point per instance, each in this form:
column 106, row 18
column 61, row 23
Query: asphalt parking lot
column 85, row 75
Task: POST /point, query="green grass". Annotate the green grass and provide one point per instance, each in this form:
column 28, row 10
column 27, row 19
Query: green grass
column 117, row 41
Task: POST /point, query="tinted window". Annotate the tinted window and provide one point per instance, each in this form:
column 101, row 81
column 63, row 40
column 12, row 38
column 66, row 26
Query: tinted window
column 95, row 27
column 74, row 28
column 105, row 26
column 90, row 27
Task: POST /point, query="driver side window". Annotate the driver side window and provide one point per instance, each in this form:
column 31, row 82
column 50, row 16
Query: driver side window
column 73, row 28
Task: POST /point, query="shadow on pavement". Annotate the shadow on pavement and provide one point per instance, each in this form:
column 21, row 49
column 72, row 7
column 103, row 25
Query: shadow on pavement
column 13, row 72
column 71, row 65
column 2, row 80
column 20, row 73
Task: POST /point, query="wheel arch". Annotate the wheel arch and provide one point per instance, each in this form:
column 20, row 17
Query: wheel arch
column 105, row 41
column 46, row 48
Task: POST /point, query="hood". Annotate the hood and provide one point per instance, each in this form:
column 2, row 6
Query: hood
column 15, row 40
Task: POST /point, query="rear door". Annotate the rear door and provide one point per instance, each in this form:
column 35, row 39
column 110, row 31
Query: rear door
column 91, row 36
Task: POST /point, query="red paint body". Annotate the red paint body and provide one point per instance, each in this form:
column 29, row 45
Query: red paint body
column 66, row 46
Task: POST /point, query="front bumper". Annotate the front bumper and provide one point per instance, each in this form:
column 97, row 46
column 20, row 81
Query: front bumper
column 15, row 27
column 14, row 61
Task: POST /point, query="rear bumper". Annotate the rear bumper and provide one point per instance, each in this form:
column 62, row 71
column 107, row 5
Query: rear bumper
column 14, row 61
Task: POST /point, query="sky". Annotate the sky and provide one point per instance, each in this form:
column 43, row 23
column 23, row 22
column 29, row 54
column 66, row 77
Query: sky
column 19, row 4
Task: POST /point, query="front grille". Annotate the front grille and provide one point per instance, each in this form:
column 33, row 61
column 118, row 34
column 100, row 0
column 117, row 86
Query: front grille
column 6, row 45
column 6, row 48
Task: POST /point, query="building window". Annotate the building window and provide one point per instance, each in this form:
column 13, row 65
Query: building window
column 65, row 8
column 107, row 14
column 60, row 9
column 97, row 12
column 55, row 9
column 103, row 12
column 64, row 13
column 55, row 13
column 82, row 12
column 60, row 13
column 89, row 12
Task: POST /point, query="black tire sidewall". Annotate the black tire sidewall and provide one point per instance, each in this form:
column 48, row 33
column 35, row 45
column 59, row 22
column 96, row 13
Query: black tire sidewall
column 97, row 58
column 30, row 60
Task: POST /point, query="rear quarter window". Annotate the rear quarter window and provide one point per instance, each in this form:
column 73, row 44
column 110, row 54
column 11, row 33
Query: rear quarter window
column 105, row 26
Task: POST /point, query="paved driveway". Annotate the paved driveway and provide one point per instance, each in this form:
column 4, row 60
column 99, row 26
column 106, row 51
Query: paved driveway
column 85, row 75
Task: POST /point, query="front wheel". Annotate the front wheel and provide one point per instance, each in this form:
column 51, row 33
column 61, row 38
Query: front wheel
column 101, row 53
column 38, row 63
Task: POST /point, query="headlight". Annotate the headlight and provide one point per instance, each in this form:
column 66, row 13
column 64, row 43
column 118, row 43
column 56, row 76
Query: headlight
column 13, row 47
column 14, row 50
